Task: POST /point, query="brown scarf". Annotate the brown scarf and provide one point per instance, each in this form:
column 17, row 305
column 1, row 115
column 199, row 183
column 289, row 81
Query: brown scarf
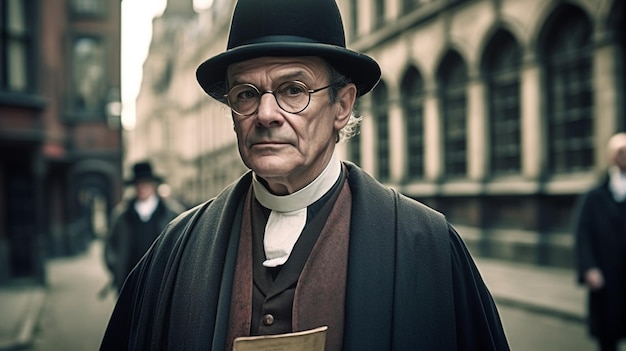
column 320, row 292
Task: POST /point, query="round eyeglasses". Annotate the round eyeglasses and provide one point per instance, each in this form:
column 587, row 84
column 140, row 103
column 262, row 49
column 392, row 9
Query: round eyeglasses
column 292, row 97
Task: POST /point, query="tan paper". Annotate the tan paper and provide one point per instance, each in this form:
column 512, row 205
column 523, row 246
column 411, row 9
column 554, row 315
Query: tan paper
column 307, row 340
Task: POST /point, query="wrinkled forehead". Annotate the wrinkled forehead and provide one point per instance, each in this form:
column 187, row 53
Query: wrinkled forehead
column 297, row 67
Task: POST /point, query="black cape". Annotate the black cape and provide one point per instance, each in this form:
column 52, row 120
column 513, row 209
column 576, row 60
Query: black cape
column 412, row 284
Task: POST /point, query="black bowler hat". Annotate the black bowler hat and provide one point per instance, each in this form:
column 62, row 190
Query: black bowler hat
column 143, row 171
column 287, row 28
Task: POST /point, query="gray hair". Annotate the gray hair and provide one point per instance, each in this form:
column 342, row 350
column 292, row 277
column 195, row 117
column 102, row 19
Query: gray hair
column 339, row 81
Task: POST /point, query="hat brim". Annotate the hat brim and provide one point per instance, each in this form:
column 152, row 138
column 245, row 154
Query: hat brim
column 362, row 70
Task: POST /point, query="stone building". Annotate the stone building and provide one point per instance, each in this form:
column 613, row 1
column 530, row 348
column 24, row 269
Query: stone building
column 60, row 136
column 495, row 112
column 189, row 137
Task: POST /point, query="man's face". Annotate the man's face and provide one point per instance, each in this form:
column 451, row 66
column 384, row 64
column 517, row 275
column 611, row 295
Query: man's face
column 145, row 188
column 620, row 158
column 289, row 150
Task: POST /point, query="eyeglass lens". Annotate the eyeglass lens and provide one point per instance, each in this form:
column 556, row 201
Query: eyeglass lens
column 292, row 97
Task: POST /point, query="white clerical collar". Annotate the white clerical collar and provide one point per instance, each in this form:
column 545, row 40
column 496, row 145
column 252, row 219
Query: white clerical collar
column 146, row 207
column 289, row 212
column 303, row 197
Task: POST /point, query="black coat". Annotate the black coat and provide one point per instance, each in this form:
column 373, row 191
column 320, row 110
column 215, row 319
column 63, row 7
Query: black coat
column 411, row 283
column 601, row 242
column 125, row 238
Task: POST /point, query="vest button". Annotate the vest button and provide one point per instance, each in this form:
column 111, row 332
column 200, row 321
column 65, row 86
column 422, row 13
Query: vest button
column 268, row 320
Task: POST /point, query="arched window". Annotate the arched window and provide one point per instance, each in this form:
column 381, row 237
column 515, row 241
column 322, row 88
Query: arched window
column 379, row 13
column 452, row 77
column 501, row 68
column 410, row 5
column 412, row 95
column 354, row 18
column 567, row 57
column 381, row 116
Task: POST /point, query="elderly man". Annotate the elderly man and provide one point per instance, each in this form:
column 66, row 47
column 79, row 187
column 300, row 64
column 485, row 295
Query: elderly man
column 303, row 241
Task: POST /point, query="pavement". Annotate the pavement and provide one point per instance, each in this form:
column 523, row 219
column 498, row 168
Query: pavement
column 547, row 290
column 20, row 305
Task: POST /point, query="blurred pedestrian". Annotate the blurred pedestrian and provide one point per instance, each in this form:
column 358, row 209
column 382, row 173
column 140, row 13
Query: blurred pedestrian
column 135, row 223
column 601, row 249
column 303, row 241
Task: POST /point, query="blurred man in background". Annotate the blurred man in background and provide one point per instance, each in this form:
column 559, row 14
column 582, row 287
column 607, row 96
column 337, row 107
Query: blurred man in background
column 601, row 249
column 136, row 223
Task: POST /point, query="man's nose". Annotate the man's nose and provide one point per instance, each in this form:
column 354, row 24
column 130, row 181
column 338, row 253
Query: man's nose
column 269, row 113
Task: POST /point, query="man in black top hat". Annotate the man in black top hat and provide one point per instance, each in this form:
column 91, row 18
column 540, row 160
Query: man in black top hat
column 304, row 241
column 135, row 223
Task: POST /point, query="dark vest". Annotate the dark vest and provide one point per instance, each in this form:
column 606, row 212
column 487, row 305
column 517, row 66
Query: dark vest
column 308, row 291
column 274, row 288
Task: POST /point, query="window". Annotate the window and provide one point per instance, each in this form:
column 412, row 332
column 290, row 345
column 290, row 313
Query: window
column 354, row 18
column 570, row 97
column 16, row 45
column 379, row 13
column 161, row 76
column 87, row 6
column 413, row 107
column 452, row 82
column 501, row 66
column 410, row 5
column 379, row 103
column 88, row 65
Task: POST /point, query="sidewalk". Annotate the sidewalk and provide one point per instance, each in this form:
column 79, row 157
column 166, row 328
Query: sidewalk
column 20, row 306
column 544, row 290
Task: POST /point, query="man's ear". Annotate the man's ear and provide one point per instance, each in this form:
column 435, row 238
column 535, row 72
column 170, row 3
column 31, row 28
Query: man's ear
column 346, row 98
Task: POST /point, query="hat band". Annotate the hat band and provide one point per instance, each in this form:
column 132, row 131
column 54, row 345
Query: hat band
column 279, row 39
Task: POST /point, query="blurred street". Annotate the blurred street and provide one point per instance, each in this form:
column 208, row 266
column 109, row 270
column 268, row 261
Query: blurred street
column 73, row 317
column 541, row 309
column 531, row 331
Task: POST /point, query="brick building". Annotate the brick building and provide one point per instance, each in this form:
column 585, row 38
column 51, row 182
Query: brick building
column 60, row 136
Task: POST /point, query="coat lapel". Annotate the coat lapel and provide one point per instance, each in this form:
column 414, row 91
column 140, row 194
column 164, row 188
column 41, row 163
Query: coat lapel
column 387, row 299
column 369, row 291
column 320, row 293
column 241, row 301
column 206, row 248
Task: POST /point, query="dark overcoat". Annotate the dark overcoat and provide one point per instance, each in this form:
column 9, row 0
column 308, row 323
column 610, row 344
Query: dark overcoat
column 601, row 242
column 411, row 284
column 118, row 244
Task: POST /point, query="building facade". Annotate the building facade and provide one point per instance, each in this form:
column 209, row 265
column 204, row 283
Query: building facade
column 189, row 138
column 495, row 112
column 60, row 136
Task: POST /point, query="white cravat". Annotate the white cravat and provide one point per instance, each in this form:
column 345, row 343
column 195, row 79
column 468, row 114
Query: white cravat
column 289, row 212
column 146, row 208
column 617, row 183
